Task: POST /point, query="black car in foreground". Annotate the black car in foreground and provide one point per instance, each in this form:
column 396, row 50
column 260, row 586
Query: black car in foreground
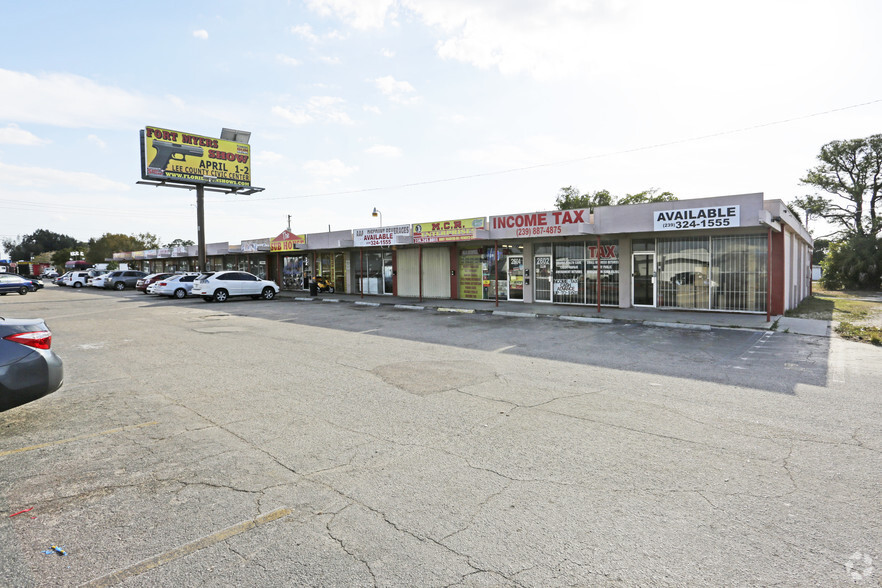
column 29, row 369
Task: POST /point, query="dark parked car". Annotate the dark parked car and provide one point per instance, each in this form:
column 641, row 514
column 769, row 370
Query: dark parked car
column 147, row 280
column 29, row 369
column 13, row 283
column 122, row 279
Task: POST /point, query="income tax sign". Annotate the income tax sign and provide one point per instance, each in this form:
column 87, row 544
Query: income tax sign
column 185, row 158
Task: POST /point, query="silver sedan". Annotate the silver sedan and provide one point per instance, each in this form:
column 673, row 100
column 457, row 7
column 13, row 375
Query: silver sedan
column 177, row 286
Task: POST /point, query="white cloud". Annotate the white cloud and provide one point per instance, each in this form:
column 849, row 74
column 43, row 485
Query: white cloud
column 267, row 157
column 43, row 177
column 384, row 151
column 95, row 140
column 201, row 34
column 387, row 53
column 317, row 109
column 333, row 168
column 360, row 14
column 12, row 135
column 73, row 101
column 371, row 109
column 285, row 60
column 305, row 31
column 399, row 92
column 330, row 60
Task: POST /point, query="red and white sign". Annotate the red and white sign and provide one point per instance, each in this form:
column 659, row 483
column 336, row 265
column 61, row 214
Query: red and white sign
column 537, row 224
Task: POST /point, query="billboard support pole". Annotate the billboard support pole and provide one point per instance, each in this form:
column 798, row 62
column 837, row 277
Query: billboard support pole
column 200, row 225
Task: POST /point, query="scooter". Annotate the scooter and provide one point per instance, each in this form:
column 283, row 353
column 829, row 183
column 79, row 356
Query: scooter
column 324, row 284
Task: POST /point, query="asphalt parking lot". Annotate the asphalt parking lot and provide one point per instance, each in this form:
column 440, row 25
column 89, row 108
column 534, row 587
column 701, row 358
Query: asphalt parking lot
column 285, row 443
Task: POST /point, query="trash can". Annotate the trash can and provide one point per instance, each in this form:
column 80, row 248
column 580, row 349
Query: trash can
column 313, row 287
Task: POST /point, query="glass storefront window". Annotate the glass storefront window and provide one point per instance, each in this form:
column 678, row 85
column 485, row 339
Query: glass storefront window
column 684, row 272
column 295, row 272
column 739, row 280
column 713, row 273
column 375, row 276
column 568, row 283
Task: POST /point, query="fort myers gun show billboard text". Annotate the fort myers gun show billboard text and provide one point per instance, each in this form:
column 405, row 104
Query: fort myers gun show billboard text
column 173, row 156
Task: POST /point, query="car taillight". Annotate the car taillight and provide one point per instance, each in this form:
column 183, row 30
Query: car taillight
column 160, row 284
column 38, row 339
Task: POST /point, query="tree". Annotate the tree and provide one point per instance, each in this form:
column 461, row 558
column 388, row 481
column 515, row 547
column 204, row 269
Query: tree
column 60, row 257
column 646, row 196
column 811, row 205
column 851, row 171
column 854, row 263
column 40, row 241
column 569, row 198
column 103, row 248
column 179, row 243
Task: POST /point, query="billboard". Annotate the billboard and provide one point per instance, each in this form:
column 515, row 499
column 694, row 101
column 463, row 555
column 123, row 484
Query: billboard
column 185, row 158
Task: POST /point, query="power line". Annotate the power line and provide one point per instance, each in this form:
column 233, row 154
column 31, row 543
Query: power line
column 563, row 162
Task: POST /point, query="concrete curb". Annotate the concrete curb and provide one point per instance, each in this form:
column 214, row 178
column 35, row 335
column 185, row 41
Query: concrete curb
column 677, row 326
column 515, row 314
column 586, row 319
column 796, row 326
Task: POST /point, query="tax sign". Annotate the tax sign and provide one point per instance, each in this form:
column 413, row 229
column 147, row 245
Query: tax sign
column 711, row 217
column 536, row 224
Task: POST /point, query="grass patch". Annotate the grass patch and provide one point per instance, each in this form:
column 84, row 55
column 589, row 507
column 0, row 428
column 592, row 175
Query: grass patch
column 858, row 320
column 866, row 334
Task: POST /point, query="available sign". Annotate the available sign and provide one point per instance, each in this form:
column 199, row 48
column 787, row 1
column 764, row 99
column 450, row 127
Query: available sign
column 445, row 231
column 711, row 217
column 287, row 241
column 379, row 236
column 185, row 158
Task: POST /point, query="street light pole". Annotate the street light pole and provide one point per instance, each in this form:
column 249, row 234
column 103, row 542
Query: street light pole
column 379, row 214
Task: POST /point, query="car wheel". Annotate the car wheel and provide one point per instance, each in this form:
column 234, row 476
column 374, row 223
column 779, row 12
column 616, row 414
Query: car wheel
column 221, row 295
column 207, row 298
column 180, row 293
column 268, row 293
column 77, row 285
column 331, row 289
column 23, row 290
column 120, row 285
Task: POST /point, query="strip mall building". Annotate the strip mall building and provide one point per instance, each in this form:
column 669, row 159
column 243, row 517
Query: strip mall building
column 733, row 253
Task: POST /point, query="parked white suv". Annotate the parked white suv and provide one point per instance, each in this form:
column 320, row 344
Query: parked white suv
column 220, row 286
column 76, row 279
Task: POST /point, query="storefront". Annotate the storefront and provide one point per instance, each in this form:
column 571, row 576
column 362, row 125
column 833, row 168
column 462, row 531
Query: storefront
column 375, row 261
column 733, row 253
column 291, row 260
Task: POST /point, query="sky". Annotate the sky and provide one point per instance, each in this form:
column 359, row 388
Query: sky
column 425, row 110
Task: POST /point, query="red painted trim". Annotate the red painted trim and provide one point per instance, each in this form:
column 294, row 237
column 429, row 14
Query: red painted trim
column 777, row 265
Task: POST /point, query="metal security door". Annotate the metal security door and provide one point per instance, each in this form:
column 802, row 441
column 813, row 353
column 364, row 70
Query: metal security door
column 542, row 278
column 643, row 279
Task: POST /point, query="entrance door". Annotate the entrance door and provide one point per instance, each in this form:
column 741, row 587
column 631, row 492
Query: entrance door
column 516, row 277
column 643, row 279
column 542, row 278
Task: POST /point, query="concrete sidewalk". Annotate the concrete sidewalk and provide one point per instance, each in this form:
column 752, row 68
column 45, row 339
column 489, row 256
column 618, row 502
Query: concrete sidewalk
column 684, row 319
